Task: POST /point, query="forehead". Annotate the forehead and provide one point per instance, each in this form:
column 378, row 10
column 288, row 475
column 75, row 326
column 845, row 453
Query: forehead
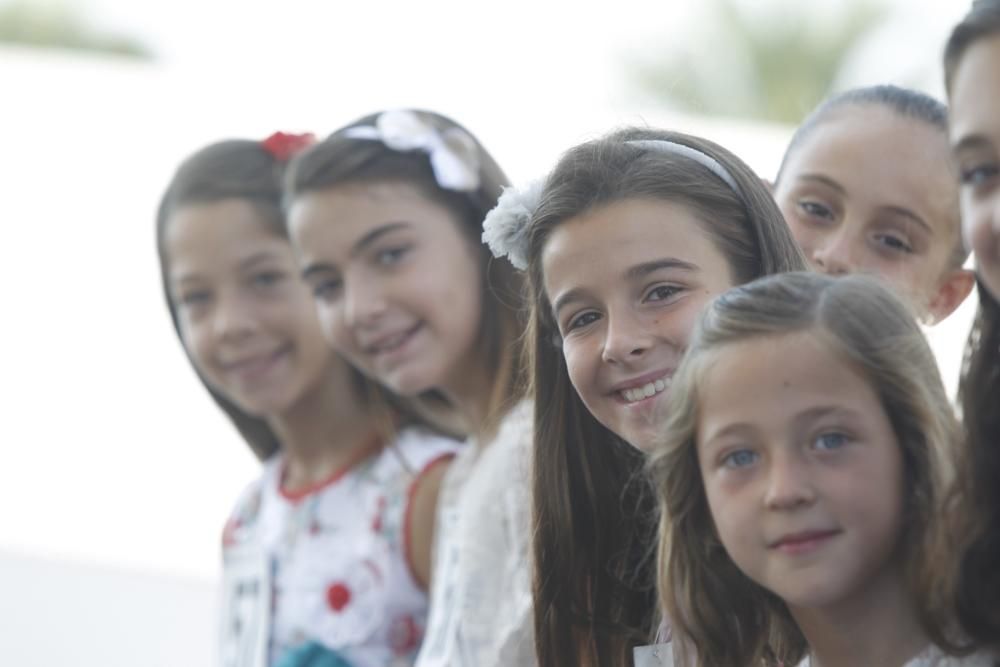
column 788, row 373
column 201, row 235
column 334, row 219
column 975, row 92
column 633, row 230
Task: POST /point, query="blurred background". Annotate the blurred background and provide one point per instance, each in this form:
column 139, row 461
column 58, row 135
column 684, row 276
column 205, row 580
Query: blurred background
column 117, row 470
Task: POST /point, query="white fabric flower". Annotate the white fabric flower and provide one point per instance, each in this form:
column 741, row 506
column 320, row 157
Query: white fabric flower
column 505, row 229
column 453, row 154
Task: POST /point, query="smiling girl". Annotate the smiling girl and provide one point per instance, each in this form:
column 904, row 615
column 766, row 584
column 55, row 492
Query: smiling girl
column 386, row 217
column 327, row 555
column 624, row 243
column 800, row 479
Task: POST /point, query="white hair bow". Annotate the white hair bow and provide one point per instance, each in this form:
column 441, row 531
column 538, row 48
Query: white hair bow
column 453, row 154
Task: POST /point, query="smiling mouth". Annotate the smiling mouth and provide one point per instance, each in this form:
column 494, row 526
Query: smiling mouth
column 648, row 390
column 251, row 367
column 392, row 343
column 803, row 542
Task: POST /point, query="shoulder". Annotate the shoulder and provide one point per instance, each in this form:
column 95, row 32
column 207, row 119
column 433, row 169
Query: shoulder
column 247, row 508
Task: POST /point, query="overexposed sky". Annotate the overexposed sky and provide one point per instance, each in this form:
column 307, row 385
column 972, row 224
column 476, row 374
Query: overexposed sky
column 112, row 451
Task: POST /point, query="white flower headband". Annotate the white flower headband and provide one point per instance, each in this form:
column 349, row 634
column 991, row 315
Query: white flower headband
column 506, row 226
column 453, row 153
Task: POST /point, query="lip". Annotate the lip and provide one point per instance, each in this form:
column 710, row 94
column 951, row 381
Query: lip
column 803, row 542
column 254, row 365
column 638, row 382
column 389, row 342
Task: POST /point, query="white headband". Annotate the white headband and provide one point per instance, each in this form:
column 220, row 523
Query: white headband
column 703, row 159
column 453, row 154
column 506, row 226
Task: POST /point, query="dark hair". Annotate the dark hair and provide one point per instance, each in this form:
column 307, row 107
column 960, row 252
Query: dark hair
column 719, row 613
column 904, row 102
column 342, row 159
column 975, row 497
column 594, row 510
column 233, row 169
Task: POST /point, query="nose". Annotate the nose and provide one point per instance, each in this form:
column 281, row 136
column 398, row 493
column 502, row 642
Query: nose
column 834, row 254
column 364, row 302
column 788, row 483
column 234, row 318
column 627, row 339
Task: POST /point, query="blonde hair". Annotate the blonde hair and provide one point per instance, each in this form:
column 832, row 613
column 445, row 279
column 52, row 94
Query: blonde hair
column 719, row 613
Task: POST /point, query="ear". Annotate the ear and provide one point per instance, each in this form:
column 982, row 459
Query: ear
column 955, row 287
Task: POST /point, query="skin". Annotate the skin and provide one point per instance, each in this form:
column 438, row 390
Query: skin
column 627, row 282
column 250, row 327
column 397, row 288
column 869, row 191
column 804, row 480
column 975, row 137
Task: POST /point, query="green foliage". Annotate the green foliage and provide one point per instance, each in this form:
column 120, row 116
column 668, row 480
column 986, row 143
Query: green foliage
column 773, row 67
column 56, row 26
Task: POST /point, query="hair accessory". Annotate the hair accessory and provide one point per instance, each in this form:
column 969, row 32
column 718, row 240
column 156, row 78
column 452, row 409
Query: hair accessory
column 453, row 153
column 703, row 159
column 505, row 229
column 283, row 146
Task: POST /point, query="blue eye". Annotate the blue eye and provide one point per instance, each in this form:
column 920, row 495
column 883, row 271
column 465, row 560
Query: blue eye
column 326, row 290
column 741, row 458
column 582, row 320
column 816, row 210
column 267, row 278
column 830, row 441
column 979, row 175
column 194, row 298
column 390, row 256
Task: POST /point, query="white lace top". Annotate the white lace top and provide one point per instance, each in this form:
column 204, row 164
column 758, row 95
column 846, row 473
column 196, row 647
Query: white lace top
column 481, row 584
column 933, row 657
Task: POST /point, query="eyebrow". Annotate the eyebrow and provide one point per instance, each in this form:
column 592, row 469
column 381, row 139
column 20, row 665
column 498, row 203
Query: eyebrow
column 359, row 247
column 971, row 141
column 823, row 180
column 800, row 421
column 633, row 273
column 243, row 265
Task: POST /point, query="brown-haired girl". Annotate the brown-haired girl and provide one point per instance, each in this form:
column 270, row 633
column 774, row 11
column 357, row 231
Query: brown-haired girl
column 972, row 78
column 327, row 555
column 386, row 217
column 626, row 240
column 800, row 480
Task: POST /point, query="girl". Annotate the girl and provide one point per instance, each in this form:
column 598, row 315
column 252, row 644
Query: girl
column 386, row 216
column 972, row 78
column 629, row 237
column 326, row 556
column 866, row 187
column 800, row 477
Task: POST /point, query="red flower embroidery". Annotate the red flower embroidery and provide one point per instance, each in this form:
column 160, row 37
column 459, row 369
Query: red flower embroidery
column 338, row 596
column 404, row 636
column 283, row 146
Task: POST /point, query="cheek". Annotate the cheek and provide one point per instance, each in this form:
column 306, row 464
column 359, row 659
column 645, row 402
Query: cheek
column 577, row 358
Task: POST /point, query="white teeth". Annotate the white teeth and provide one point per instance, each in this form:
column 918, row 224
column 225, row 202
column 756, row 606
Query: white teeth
column 649, row 389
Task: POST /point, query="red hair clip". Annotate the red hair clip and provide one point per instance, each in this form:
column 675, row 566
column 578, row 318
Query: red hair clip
column 283, row 146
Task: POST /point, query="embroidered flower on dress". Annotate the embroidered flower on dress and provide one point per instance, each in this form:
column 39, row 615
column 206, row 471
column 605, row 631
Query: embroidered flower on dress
column 453, row 154
column 505, row 229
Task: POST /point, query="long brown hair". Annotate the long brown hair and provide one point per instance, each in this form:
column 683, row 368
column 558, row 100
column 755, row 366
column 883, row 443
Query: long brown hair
column 975, row 499
column 342, row 159
column 719, row 615
column 594, row 512
column 242, row 169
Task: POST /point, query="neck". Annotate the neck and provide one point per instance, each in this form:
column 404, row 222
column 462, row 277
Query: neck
column 878, row 627
column 324, row 431
column 469, row 392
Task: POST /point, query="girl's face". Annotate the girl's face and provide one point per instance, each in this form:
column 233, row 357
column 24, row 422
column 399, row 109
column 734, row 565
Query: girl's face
column 245, row 317
column 627, row 282
column 868, row 191
column 975, row 136
column 802, row 469
column 397, row 285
